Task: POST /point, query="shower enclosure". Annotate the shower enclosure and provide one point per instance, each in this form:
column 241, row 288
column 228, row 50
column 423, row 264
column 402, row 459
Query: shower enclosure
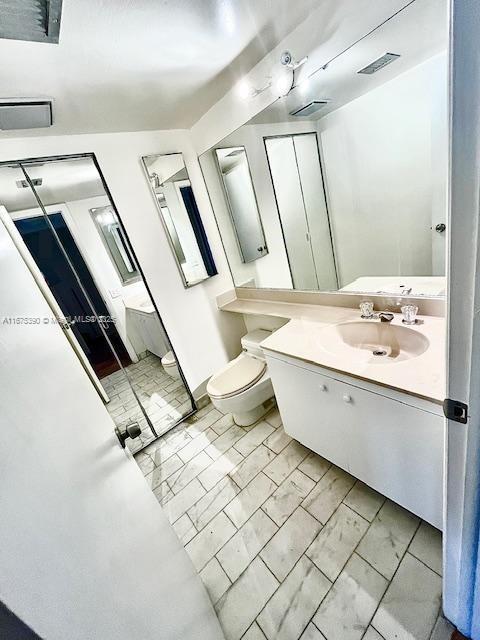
column 63, row 221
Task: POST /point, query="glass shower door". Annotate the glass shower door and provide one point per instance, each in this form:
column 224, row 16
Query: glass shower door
column 79, row 246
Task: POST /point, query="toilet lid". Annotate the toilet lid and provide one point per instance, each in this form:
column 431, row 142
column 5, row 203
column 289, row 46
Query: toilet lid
column 239, row 375
column 169, row 359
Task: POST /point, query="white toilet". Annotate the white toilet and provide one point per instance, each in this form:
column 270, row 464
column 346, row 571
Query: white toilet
column 169, row 364
column 243, row 387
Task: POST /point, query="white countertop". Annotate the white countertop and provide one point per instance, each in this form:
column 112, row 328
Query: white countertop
column 422, row 375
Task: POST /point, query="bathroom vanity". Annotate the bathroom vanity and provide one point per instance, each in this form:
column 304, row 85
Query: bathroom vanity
column 378, row 417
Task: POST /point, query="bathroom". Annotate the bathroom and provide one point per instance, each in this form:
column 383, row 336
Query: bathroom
column 238, row 321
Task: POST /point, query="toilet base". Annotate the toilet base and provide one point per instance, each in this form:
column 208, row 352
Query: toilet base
column 247, row 418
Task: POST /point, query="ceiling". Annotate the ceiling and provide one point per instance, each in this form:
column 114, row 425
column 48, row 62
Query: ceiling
column 62, row 181
column 130, row 65
column 416, row 33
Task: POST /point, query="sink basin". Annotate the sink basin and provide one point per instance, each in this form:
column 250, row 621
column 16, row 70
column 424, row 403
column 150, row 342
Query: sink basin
column 373, row 341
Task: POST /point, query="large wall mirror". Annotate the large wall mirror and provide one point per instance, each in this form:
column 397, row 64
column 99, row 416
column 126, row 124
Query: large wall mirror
column 349, row 171
column 175, row 200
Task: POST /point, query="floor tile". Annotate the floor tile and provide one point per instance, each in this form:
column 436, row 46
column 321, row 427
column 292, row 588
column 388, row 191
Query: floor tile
column 215, row 580
column 278, row 440
column 410, row 606
column 283, row 465
column 223, row 424
column 274, row 417
column 364, row 500
column 249, row 499
column 213, row 502
column 348, row 607
column 387, row 539
column 314, row 466
column 252, row 465
column 289, row 610
column 184, row 529
column 254, row 633
column 210, row 540
column 290, row 542
column 163, row 493
column 199, row 426
column 164, row 471
column 220, row 468
column 283, row 502
column 443, row 629
column 241, row 604
column 427, row 546
column 180, row 503
column 336, row 541
column 254, row 438
column 225, row 441
column 240, row 550
column 312, row 633
column 199, row 443
column 328, row 494
column 178, row 480
column 372, row 634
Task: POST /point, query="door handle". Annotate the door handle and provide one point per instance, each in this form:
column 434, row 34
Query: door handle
column 131, row 431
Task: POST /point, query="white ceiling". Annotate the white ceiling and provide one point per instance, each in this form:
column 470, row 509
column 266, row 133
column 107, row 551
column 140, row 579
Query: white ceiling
column 129, row 65
column 63, row 181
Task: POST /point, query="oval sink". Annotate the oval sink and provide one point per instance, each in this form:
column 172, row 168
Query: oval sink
column 374, row 341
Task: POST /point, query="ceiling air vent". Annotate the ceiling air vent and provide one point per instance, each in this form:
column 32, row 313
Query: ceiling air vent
column 25, row 114
column 379, row 63
column 33, row 20
column 308, row 109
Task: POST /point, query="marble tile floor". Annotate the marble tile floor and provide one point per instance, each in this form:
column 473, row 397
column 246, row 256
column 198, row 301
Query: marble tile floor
column 164, row 399
column 289, row 546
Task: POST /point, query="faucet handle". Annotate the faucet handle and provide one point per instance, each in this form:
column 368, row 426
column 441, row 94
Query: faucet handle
column 366, row 309
column 409, row 312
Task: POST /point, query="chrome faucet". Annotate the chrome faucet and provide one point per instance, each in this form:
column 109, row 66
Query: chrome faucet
column 366, row 309
column 385, row 316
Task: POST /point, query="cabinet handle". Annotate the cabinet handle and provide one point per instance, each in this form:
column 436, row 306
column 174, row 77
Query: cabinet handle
column 323, row 387
column 347, row 398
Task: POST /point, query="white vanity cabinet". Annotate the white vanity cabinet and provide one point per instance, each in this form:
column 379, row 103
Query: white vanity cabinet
column 392, row 441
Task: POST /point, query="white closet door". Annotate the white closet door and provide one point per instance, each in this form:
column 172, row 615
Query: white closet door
column 288, row 192
column 308, row 163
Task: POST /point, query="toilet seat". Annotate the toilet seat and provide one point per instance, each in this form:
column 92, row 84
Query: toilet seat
column 238, row 376
column 169, row 359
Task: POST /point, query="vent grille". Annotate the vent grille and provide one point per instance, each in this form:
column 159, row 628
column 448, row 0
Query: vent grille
column 31, row 20
column 379, row 63
column 308, row 109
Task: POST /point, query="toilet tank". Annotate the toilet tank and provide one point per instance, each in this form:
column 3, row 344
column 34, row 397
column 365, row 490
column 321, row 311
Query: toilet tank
column 251, row 341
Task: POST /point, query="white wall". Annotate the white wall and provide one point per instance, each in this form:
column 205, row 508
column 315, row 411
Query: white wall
column 385, row 162
column 203, row 337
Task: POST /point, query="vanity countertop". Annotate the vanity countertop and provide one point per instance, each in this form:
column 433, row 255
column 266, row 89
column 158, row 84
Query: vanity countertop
column 422, row 375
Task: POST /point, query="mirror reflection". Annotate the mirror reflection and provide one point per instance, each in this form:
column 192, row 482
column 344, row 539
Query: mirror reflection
column 349, row 170
column 179, row 213
column 68, row 231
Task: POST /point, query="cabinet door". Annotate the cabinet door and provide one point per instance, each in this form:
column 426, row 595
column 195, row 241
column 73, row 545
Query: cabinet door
column 398, row 450
column 312, row 410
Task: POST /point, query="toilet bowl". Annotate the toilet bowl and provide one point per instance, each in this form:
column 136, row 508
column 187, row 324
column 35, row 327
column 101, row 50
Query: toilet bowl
column 243, row 387
column 169, row 364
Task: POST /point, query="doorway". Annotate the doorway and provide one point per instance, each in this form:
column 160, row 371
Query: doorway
column 46, row 252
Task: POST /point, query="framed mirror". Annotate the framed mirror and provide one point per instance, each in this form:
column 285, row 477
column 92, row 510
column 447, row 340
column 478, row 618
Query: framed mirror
column 350, row 168
column 171, row 188
column 115, row 243
column 241, row 202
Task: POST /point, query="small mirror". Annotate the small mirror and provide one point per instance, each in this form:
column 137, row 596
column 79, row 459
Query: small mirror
column 241, row 202
column 180, row 216
column 115, row 243
column 346, row 179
